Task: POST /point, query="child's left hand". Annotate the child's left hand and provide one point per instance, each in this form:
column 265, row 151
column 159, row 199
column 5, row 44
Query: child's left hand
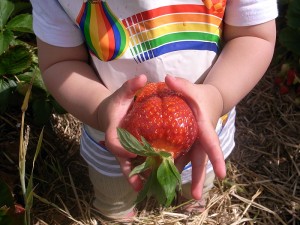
column 111, row 113
column 207, row 105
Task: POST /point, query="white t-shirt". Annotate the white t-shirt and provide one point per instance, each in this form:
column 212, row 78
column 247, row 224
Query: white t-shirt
column 131, row 37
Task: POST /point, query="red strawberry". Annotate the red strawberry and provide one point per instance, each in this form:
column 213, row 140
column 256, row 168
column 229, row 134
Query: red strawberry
column 19, row 209
column 278, row 81
column 291, row 75
column 159, row 126
column 283, row 89
column 163, row 118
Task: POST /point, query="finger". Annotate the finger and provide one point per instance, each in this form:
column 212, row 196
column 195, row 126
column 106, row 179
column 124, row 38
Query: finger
column 122, row 100
column 130, row 87
column 180, row 85
column 211, row 146
column 207, row 135
column 112, row 142
column 176, row 83
column 126, row 167
column 199, row 161
column 182, row 161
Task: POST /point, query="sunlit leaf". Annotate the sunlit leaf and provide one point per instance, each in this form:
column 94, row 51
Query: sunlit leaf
column 167, row 180
column 174, row 170
column 140, row 168
column 21, row 23
column 131, row 144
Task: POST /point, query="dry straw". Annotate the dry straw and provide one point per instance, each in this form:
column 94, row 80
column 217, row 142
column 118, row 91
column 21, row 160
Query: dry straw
column 261, row 187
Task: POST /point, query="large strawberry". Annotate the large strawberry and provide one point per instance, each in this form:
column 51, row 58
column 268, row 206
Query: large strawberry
column 159, row 126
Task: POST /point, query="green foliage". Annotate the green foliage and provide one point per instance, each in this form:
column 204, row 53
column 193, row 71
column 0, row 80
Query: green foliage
column 15, row 60
column 27, row 186
column 289, row 35
column 18, row 63
column 288, row 49
column 10, row 213
column 164, row 177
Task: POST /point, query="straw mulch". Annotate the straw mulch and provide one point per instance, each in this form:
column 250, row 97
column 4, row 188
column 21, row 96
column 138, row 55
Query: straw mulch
column 262, row 184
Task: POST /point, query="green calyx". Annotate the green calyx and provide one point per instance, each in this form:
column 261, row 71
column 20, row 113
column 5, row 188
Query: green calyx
column 164, row 177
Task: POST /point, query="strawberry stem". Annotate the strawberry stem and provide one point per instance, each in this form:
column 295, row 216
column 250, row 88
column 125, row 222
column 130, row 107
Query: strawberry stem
column 164, row 177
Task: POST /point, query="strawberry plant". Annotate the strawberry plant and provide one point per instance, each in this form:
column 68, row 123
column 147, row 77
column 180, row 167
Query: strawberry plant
column 18, row 62
column 288, row 50
column 159, row 127
column 288, row 80
column 10, row 212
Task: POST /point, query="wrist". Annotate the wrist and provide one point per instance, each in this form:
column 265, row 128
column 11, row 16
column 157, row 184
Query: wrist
column 215, row 101
column 102, row 112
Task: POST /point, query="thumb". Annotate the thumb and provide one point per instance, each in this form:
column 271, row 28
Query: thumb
column 180, row 85
column 126, row 167
column 121, row 101
column 177, row 83
column 130, row 87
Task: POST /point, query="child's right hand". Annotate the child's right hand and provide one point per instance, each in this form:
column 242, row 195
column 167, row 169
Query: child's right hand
column 110, row 114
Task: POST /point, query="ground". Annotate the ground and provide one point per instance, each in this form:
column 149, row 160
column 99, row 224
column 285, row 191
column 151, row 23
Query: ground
column 262, row 185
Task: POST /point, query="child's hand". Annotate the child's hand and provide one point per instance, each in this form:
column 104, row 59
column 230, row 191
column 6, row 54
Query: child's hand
column 110, row 113
column 207, row 105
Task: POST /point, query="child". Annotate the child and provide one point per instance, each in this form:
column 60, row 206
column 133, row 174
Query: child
column 94, row 56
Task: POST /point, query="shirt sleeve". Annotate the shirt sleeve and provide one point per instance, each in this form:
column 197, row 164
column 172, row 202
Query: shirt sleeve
column 52, row 25
column 250, row 12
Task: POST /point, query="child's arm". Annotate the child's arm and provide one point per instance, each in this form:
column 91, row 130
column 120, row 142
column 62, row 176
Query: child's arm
column 75, row 85
column 243, row 61
column 245, row 58
column 62, row 70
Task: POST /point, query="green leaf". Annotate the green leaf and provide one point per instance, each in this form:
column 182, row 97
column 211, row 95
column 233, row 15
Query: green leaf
column 167, row 180
column 6, row 92
column 21, row 23
column 29, row 195
column 289, row 38
column 147, row 145
column 37, row 82
column 157, row 191
column 164, row 154
column 21, row 7
column 30, row 189
column 146, row 189
column 6, row 38
column 6, row 9
column 175, row 171
column 15, row 60
column 143, row 167
column 131, row 144
column 293, row 14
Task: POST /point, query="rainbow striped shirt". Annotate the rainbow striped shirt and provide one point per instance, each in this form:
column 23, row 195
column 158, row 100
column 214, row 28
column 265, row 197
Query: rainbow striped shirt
column 131, row 37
